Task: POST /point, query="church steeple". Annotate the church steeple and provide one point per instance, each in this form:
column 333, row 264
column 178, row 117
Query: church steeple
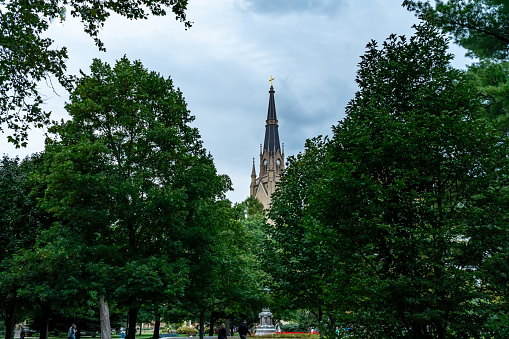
column 271, row 157
column 253, row 172
column 271, row 143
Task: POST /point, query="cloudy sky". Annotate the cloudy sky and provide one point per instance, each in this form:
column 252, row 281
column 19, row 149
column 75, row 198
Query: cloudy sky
column 224, row 62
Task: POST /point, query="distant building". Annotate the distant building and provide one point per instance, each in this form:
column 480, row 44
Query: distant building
column 272, row 158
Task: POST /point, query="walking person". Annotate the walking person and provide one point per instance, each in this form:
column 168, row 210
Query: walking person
column 243, row 330
column 222, row 333
column 71, row 334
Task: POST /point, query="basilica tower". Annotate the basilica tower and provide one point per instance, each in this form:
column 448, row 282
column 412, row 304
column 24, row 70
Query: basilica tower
column 271, row 158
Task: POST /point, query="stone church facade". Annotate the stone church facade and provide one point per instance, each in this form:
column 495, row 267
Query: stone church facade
column 272, row 158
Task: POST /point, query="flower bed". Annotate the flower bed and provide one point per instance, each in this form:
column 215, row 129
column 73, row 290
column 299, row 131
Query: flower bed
column 306, row 335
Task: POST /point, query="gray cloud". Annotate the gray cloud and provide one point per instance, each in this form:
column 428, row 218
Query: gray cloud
column 320, row 7
column 224, row 62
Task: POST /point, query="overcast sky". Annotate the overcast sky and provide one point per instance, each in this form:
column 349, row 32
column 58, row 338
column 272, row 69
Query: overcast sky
column 224, row 62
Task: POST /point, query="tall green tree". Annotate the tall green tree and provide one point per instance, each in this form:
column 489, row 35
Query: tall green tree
column 15, row 230
column 129, row 173
column 418, row 192
column 27, row 55
column 20, row 225
column 225, row 272
column 410, row 199
column 299, row 266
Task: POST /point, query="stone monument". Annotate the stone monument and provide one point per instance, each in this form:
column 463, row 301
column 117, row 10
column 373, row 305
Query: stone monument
column 266, row 325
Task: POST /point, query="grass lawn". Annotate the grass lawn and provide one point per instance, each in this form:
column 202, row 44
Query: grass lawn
column 236, row 336
column 142, row 336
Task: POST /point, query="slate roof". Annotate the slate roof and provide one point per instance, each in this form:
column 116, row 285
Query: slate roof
column 271, row 143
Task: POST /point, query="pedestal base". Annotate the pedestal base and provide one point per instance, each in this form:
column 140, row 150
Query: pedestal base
column 265, row 329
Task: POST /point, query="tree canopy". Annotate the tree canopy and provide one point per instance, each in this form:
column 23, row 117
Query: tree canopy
column 480, row 26
column 298, row 263
column 139, row 220
column 27, row 55
column 406, row 200
column 130, row 178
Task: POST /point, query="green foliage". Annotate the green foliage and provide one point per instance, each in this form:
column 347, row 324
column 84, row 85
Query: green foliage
column 480, row 26
column 49, row 278
column 22, row 221
column 187, row 330
column 249, row 207
column 226, row 279
column 418, row 192
column 129, row 176
column 491, row 79
column 292, row 327
column 290, row 335
column 27, row 55
column 406, row 201
column 305, row 320
column 298, row 263
column 15, row 232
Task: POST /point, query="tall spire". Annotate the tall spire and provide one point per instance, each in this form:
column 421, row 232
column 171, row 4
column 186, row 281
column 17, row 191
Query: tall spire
column 271, row 143
column 272, row 159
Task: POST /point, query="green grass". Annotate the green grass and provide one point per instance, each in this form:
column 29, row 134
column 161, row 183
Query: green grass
column 142, row 336
column 236, row 336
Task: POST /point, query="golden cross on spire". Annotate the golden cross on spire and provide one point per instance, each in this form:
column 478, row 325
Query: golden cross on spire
column 271, row 78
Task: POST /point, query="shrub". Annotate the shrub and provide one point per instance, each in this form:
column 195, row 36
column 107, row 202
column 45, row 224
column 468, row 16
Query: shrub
column 291, row 327
column 187, row 330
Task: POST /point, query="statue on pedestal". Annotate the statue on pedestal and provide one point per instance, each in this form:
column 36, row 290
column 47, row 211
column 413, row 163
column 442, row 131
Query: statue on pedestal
column 266, row 325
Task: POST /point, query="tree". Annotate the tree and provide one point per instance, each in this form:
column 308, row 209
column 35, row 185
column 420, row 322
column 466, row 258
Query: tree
column 480, row 26
column 247, row 208
column 21, row 222
column 14, row 230
column 410, row 203
column 27, row 57
column 297, row 262
column 50, row 278
column 130, row 175
column 225, row 274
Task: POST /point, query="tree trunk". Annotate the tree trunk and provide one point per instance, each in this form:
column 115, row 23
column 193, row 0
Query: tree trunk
column 202, row 323
column 156, row 326
column 45, row 310
column 131, row 324
column 104, row 315
column 320, row 317
column 227, row 325
column 213, row 317
column 10, row 320
column 332, row 321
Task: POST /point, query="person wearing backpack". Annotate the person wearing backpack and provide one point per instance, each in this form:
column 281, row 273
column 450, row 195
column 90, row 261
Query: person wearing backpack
column 71, row 334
